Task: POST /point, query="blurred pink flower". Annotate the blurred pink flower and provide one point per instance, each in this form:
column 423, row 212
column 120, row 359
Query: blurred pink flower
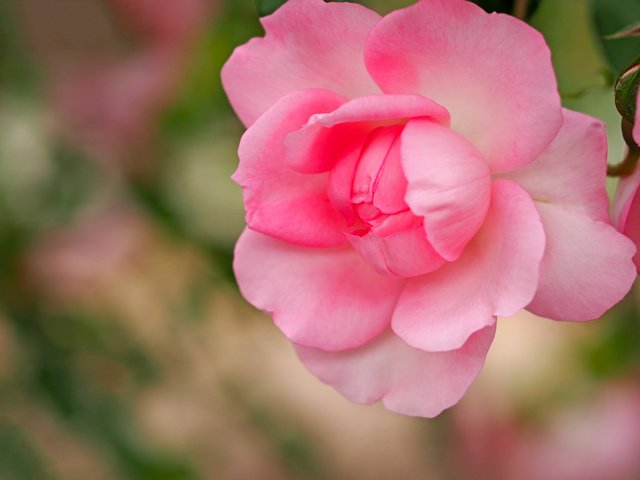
column 77, row 260
column 594, row 440
column 110, row 107
column 626, row 206
column 407, row 180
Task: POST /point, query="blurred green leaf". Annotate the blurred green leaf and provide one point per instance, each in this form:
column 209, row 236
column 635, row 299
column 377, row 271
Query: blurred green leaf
column 17, row 71
column 19, row 457
column 75, row 180
column 88, row 399
column 292, row 446
column 615, row 351
column 577, row 56
column 202, row 98
column 612, row 16
column 148, row 195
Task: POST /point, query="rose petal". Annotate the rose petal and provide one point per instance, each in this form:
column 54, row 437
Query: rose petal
column 320, row 298
column 626, row 211
column 586, row 268
column 391, row 185
column 492, row 72
column 279, row 201
column 496, row 276
column 374, row 154
column 308, row 44
column 572, row 171
column 449, row 185
column 407, row 380
column 316, row 147
column 404, row 253
column 626, row 193
column 635, row 133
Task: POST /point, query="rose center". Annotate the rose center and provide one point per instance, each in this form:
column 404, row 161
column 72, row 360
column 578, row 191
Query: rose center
column 379, row 184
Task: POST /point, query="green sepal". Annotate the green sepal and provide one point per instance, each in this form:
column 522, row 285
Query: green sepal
column 626, row 92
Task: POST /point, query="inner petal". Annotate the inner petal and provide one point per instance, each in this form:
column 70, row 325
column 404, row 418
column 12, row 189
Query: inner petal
column 391, row 184
column 371, row 161
column 449, row 185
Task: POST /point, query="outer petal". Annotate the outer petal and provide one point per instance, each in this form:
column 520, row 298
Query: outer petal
column 492, row 72
column 408, row 381
column 308, row 44
column 586, row 269
column 449, row 185
column 626, row 211
column 279, row 201
column 626, row 192
column 320, row 298
column 496, row 276
column 572, row 171
column 313, row 148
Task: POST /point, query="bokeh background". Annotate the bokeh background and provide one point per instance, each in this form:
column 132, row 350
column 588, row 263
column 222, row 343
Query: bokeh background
column 126, row 351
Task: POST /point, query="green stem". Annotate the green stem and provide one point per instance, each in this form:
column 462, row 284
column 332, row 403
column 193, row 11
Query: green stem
column 628, row 165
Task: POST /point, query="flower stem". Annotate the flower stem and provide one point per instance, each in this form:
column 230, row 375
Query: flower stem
column 628, row 165
column 520, row 9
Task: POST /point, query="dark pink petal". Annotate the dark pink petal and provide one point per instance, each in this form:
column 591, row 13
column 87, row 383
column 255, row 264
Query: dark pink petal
column 407, row 380
column 449, row 185
column 496, row 276
column 586, row 268
column 636, row 124
column 626, row 210
column 492, row 72
column 279, row 201
column 572, row 171
column 313, row 148
column 308, row 44
column 320, row 298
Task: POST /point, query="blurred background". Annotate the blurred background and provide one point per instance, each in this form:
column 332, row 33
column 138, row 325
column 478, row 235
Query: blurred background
column 126, row 351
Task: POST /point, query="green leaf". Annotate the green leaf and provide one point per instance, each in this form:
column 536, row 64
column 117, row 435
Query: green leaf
column 577, row 55
column 614, row 352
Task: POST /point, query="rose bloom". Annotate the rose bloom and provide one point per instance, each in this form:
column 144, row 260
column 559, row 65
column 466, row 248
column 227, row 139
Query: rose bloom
column 626, row 206
column 408, row 179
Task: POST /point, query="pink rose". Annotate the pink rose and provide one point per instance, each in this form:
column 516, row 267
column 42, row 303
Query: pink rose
column 408, row 179
column 626, row 206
